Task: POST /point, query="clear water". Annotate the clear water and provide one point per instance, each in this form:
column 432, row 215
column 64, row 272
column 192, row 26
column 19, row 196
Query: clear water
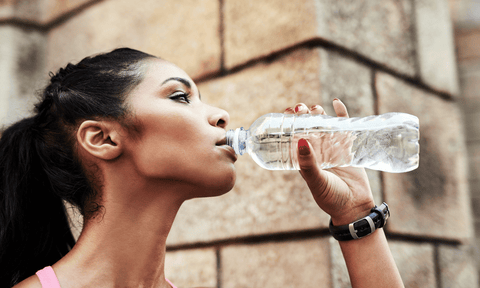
column 391, row 149
column 387, row 142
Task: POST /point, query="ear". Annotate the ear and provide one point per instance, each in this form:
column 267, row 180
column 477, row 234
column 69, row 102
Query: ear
column 100, row 138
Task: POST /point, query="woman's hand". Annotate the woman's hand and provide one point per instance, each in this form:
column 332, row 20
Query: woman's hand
column 343, row 193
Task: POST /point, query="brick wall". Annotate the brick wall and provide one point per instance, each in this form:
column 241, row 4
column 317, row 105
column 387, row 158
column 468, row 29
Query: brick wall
column 251, row 57
column 466, row 20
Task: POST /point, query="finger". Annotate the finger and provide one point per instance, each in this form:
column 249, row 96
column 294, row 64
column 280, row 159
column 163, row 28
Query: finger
column 313, row 175
column 301, row 108
column 340, row 108
column 317, row 109
column 289, row 110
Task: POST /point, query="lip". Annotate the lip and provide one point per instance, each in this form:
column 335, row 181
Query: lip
column 229, row 151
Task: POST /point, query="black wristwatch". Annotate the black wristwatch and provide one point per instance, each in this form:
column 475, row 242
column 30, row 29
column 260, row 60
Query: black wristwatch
column 362, row 227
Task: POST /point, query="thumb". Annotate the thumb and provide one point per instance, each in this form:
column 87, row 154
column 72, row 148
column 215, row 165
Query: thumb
column 315, row 177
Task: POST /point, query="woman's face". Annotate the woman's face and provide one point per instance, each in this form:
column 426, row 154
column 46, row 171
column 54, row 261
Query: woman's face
column 178, row 136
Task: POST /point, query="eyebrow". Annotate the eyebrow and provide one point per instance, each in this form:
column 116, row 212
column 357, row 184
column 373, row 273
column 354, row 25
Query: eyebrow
column 182, row 80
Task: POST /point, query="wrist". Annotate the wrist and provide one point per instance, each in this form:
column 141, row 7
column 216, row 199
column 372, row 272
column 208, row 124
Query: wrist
column 353, row 214
column 376, row 219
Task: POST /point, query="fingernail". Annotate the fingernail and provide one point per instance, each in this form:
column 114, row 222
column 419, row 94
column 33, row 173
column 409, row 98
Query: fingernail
column 289, row 109
column 336, row 99
column 303, row 147
column 315, row 107
column 298, row 108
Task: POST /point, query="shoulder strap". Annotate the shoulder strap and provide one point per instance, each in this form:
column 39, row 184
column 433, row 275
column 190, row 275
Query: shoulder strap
column 173, row 286
column 47, row 277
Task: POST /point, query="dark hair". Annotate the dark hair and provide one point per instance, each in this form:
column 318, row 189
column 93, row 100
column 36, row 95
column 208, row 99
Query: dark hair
column 39, row 167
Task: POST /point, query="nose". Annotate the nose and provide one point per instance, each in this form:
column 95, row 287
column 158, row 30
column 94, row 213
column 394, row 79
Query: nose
column 218, row 117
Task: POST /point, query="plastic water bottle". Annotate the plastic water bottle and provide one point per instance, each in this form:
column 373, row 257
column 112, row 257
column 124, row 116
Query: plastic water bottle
column 387, row 142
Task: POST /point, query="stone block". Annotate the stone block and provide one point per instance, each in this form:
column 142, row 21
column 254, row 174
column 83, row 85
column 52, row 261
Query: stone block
column 347, row 80
column 22, row 72
column 378, row 30
column 29, row 10
column 277, row 264
column 340, row 277
column 474, row 159
column 432, row 200
column 192, row 268
column 415, row 262
column 184, row 32
column 467, row 41
column 457, row 266
column 53, row 9
column 7, row 9
column 465, row 13
column 472, row 126
column 469, row 75
column 40, row 12
column 435, row 45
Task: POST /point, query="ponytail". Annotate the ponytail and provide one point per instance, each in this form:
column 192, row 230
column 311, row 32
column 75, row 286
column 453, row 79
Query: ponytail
column 39, row 167
column 34, row 228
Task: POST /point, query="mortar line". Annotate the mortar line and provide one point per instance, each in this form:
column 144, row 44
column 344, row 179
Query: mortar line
column 219, row 267
column 436, row 265
column 254, row 239
column 222, row 36
column 302, row 235
column 45, row 27
column 330, row 46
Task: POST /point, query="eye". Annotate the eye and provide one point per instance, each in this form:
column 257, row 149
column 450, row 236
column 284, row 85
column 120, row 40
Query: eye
column 180, row 97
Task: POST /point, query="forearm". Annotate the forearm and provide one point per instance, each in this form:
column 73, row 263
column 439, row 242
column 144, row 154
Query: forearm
column 370, row 262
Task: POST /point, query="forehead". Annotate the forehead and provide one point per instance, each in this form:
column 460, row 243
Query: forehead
column 159, row 70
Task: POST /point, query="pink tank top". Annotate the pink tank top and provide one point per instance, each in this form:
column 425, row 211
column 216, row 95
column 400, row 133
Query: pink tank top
column 48, row 279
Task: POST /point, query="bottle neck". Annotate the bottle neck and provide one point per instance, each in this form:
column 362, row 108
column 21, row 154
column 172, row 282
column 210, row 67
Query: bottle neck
column 237, row 139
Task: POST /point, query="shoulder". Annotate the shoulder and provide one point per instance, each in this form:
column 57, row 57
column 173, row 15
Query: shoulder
column 30, row 282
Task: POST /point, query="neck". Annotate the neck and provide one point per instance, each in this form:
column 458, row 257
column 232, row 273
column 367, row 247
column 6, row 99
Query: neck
column 124, row 245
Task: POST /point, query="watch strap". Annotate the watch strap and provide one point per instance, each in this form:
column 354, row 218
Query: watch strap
column 365, row 226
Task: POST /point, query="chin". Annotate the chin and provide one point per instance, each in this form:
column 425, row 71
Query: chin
column 216, row 186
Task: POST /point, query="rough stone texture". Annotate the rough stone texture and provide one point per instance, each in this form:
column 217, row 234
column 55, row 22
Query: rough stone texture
column 435, row 45
column 469, row 75
column 347, row 80
column 29, row 10
column 192, row 268
column 465, row 13
column 185, row 32
column 474, row 157
column 41, row 12
column 457, row 266
column 379, row 30
column 55, row 8
column 466, row 42
column 432, row 200
column 277, row 264
column 21, row 72
column 415, row 262
column 340, row 278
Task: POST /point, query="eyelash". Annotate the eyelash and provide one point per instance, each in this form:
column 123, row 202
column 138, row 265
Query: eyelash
column 182, row 97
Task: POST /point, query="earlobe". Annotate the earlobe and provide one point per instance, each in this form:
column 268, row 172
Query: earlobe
column 100, row 138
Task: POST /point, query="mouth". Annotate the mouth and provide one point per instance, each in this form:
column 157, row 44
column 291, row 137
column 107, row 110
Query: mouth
column 223, row 145
column 222, row 142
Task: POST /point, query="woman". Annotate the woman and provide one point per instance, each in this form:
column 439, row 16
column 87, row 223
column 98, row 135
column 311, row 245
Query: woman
column 125, row 137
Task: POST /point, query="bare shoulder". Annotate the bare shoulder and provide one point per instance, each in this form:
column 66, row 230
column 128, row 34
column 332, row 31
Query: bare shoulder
column 30, row 282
